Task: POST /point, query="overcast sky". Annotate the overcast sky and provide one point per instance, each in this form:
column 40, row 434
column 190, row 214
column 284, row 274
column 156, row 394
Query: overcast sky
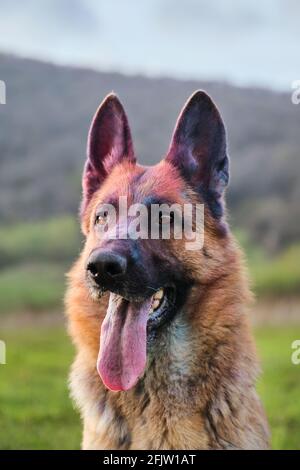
column 243, row 41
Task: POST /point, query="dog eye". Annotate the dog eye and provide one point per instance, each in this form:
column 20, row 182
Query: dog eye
column 101, row 218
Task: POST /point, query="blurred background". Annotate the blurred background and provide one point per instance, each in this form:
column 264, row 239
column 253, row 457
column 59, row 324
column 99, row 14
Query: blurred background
column 59, row 58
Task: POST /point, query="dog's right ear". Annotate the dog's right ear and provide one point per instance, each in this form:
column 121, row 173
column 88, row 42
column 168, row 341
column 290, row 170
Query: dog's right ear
column 109, row 143
column 198, row 149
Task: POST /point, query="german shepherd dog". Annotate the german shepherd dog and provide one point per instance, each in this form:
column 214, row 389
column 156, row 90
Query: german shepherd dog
column 165, row 355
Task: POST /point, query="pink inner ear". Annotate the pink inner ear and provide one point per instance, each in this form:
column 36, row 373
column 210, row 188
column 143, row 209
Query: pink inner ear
column 109, row 142
column 198, row 145
column 113, row 158
column 198, row 149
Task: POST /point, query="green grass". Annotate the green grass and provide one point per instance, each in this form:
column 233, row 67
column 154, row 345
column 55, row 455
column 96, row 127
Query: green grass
column 31, row 287
column 36, row 412
column 33, row 259
column 278, row 275
column 54, row 240
column 279, row 386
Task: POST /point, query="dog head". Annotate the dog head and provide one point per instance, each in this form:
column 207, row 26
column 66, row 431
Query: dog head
column 149, row 275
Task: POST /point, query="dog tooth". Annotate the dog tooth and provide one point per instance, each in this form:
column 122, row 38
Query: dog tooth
column 159, row 294
column 155, row 304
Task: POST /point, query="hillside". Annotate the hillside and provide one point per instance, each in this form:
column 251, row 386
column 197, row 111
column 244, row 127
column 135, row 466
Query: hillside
column 44, row 124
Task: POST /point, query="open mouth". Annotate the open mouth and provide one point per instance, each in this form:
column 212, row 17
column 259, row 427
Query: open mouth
column 123, row 342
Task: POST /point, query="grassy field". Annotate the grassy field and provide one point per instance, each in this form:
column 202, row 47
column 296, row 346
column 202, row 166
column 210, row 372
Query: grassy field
column 34, row 287
column 36, row 412
column 279, row 385
column 272, row 276
column 34, row 258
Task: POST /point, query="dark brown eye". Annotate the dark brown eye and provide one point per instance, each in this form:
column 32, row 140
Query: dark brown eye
column 101, row 219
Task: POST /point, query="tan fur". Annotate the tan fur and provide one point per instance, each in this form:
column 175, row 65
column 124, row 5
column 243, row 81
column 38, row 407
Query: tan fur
column 198, row 390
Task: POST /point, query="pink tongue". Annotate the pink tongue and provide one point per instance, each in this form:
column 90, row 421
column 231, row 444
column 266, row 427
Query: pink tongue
column 123, row 343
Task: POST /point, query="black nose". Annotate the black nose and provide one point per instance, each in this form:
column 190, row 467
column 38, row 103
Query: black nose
column 107, row 265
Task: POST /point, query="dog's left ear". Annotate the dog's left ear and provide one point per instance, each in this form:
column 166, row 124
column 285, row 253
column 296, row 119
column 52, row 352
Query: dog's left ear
column 109, row 143
column 198, row 149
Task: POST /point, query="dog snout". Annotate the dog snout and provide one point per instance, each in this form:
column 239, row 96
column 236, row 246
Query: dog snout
column 104, row 266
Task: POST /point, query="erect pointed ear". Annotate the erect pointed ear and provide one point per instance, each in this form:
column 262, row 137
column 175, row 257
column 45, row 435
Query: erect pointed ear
column 109, row 142
column 198, row 149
